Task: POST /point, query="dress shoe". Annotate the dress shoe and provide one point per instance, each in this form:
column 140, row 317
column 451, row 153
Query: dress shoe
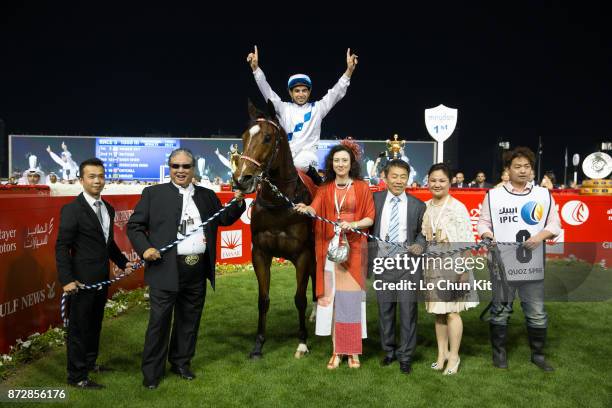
column 98, row 368
column 86, row 384
column 151, row 385
column 387, row 361
column 405, row 367
column 184, row 372
column 453, row 370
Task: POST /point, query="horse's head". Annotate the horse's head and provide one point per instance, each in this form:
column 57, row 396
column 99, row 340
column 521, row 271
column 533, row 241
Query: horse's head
column 261, row 143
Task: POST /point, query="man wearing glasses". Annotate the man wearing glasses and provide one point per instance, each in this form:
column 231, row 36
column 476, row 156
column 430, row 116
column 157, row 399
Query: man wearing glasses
column 177, row 280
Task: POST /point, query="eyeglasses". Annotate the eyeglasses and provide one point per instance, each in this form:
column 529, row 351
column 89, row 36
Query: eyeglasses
column 181, row 166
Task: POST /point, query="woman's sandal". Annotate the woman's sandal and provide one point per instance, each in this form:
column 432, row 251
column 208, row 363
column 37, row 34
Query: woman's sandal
column 334, row 361
column 353, row 361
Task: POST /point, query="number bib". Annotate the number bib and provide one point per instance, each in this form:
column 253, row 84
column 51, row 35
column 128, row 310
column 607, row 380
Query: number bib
column 516, row 218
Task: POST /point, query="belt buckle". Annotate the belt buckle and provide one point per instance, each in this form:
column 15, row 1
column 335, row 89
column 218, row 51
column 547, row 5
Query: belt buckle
column 192, row 259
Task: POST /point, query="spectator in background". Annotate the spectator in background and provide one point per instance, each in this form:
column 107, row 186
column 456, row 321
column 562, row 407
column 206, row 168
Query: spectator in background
column 32, row 177
column 51, row 178
column 548, row 181
column 415, row 185
column 531, row 178
column 505, row 177
column 380, row 180
column 480, row 181
column 459, row 180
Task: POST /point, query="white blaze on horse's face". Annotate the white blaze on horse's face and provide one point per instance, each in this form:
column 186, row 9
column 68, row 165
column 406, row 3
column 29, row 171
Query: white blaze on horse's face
column 254, row 130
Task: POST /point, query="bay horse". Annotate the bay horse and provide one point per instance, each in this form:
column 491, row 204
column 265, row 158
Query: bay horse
column 276, row 229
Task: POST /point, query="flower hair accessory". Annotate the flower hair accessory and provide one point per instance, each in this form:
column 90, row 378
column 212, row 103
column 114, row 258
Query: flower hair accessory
column 350, row 143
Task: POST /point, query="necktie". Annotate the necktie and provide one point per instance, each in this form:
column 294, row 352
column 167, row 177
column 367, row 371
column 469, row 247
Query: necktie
column 98, row 205
column 393, row 234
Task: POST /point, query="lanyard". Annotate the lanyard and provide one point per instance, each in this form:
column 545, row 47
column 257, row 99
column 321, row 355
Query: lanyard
column 339, row 206
column 434, row 226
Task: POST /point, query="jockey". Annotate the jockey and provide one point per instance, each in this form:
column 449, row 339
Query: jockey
column 302, row 119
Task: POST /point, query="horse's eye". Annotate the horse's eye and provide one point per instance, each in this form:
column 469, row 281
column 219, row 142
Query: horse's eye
column 267, row 139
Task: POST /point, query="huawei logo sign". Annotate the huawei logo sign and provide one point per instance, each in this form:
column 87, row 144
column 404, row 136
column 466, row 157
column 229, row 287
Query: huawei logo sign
column 575, row 212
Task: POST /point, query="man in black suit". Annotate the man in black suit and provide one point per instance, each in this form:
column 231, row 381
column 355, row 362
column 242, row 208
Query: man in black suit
column 398, row 219
column 85, row 243
column 479, row 181
column 460, row 180
column 177, row 280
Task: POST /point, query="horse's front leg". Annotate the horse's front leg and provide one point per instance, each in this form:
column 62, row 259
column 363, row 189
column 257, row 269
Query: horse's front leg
column 304, row 267
column 261, row 264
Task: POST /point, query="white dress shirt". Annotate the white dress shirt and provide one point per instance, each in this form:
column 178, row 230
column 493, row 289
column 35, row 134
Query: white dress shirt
column 402, row 207
column 105, row 216
column 196, row 242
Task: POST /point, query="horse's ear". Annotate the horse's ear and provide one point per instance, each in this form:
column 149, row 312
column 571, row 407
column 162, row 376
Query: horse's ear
column 271, row 111
column 253, row 113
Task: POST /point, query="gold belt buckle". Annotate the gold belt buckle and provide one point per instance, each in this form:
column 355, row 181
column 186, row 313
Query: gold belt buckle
column 192, row 259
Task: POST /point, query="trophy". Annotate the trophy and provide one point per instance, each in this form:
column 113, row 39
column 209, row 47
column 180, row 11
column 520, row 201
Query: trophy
column 234, row 156
column 597, row 166
column 395, row 147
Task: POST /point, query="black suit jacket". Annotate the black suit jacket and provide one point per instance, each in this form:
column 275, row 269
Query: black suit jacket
column 484, row 185
column 155, row 222
column 463, row 185
column 81, row 252
column 416, row 209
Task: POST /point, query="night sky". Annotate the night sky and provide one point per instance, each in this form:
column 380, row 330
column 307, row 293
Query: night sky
column 514, row 73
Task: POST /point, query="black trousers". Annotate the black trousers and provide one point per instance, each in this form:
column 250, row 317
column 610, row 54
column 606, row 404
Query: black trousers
column 186, row 305
column 388, row 304
column 84, row 326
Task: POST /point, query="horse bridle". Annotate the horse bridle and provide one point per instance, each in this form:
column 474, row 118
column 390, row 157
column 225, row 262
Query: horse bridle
column 266, row 169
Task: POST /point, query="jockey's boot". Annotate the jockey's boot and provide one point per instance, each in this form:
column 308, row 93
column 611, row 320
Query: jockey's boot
column 537, row 340
column 499, row 335
column 314, row 175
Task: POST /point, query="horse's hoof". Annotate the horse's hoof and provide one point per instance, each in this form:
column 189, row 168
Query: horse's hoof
column 301, row 351
column 256, row 355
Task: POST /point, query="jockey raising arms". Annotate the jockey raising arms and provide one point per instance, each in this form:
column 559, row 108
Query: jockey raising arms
column 302, row 119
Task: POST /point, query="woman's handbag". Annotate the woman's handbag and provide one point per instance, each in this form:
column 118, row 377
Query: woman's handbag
column 338, row 249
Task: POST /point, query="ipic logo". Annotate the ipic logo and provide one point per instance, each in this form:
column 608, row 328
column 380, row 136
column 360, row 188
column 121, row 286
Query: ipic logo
column 575, row 212
column 532, row 212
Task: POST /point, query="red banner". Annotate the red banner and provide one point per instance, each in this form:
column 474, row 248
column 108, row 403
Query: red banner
column 30, row 294
column 29, row 291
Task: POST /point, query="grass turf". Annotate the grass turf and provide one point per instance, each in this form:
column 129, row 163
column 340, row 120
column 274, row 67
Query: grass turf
column 579, row 347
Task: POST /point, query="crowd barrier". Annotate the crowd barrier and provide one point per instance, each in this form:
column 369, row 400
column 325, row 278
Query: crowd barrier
column 30, row 293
